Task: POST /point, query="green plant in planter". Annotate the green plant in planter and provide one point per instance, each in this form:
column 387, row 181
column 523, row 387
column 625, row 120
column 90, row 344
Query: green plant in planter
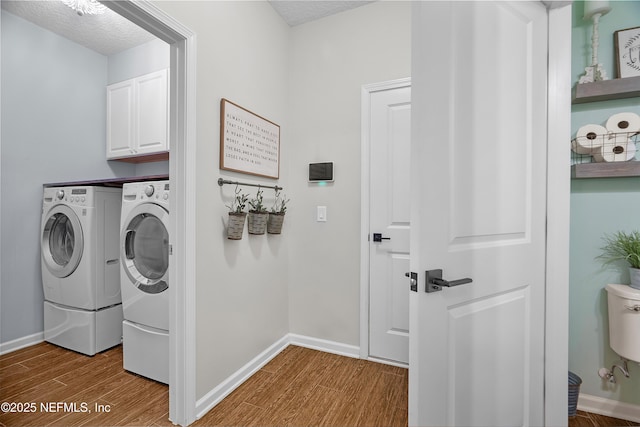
column 280, row 204
column 239, row 202
column 256, row 203
column 622, row 246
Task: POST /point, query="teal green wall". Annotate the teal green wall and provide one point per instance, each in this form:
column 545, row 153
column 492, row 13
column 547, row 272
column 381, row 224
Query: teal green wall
column 599, row 206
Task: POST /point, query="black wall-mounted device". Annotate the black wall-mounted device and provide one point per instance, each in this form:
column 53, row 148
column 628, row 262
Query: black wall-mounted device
column 321, row 172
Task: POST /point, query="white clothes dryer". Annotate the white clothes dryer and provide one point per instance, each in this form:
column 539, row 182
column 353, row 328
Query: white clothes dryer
column 80, row 274
column 144, row 266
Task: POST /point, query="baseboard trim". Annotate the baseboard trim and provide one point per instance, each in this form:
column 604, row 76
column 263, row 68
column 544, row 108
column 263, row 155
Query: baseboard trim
column 325, row 345
column 388, row 362
column 608, row 407
column 17, row 344
column 211, row 399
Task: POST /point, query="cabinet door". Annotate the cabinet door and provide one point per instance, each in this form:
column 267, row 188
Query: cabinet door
column 120, row 125
column 152, row 108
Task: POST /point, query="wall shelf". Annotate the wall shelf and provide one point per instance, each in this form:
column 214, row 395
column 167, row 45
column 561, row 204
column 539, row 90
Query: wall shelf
column 606, row 170
column 606, row 90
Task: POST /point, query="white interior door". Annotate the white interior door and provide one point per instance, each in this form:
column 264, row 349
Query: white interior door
column 479, row 186
column 389, row 219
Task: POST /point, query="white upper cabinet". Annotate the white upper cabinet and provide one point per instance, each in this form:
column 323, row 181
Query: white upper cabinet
column 137, row 116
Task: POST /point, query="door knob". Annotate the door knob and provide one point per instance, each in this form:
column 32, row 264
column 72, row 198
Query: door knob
column 377, row 237
column 413, row 280
column 435, row 282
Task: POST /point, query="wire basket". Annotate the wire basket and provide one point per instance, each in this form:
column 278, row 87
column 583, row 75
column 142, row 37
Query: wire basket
column 604, row 147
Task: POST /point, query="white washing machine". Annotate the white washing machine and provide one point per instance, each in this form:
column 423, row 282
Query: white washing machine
column 144, row 261
column 80, row 274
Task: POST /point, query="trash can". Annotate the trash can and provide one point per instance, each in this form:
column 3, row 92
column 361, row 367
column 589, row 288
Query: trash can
column 574, row 391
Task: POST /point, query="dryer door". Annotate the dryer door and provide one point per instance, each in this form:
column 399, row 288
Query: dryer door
column 145, row 252
column 62, row 241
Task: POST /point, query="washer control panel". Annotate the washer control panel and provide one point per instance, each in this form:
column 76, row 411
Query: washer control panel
column 77, row 196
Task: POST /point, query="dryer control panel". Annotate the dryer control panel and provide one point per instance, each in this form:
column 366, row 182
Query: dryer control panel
column 157, row 191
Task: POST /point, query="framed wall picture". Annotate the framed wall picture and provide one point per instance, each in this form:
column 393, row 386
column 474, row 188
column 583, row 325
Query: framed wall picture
column 627, row 47
column 248, row 143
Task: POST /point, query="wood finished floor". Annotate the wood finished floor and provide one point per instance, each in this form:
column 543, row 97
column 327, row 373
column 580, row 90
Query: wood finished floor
column 586, row 419
column 46, row 373
column 299, row 387
column 302, row 387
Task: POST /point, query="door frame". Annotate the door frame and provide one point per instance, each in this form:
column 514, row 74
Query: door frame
column 558, row 207
column 365, row 169
column 182, row 220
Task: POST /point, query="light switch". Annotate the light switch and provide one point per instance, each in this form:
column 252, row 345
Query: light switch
column 321, row 214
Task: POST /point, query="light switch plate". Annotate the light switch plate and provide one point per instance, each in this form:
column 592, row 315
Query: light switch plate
column 321, row 215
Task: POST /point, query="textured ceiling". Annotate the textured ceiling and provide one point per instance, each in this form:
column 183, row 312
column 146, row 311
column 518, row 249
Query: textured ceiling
column 296, row 12
column 107, row 34
column 110, row 33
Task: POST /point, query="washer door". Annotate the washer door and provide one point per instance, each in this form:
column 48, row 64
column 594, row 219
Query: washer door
column 145, row 251
column 62, row 241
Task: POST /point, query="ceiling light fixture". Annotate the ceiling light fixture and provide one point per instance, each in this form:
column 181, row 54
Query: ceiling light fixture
column 86, row 7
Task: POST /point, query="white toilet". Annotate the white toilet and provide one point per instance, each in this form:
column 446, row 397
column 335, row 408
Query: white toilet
column 624, row 321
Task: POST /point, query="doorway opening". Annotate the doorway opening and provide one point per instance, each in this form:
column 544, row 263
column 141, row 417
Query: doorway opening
column 384, row 290
column 182, row 181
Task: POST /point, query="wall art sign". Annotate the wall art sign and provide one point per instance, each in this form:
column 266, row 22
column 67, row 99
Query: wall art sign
column 248, row 143
column 627, row 43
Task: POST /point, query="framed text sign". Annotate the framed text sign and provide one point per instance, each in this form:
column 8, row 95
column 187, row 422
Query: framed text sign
column 248, row 143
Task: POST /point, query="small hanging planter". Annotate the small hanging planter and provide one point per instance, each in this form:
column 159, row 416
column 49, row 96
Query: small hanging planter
column 258, row 222
column 274, row 224
column 236, row 225
column 258, row 215
column 237, row 216
column 276, row 216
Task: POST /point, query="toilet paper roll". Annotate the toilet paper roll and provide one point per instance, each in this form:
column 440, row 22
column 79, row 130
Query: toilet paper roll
column 624, row 122
column 589, row 139
column 616, row 150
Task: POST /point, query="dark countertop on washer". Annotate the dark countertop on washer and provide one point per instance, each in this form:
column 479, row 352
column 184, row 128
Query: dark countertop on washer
column 108, row 182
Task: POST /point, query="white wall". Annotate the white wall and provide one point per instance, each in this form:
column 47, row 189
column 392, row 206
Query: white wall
column 330, row 61
column 241, row 288
column 137, row 61
column 308, row 80
column 53, row 130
